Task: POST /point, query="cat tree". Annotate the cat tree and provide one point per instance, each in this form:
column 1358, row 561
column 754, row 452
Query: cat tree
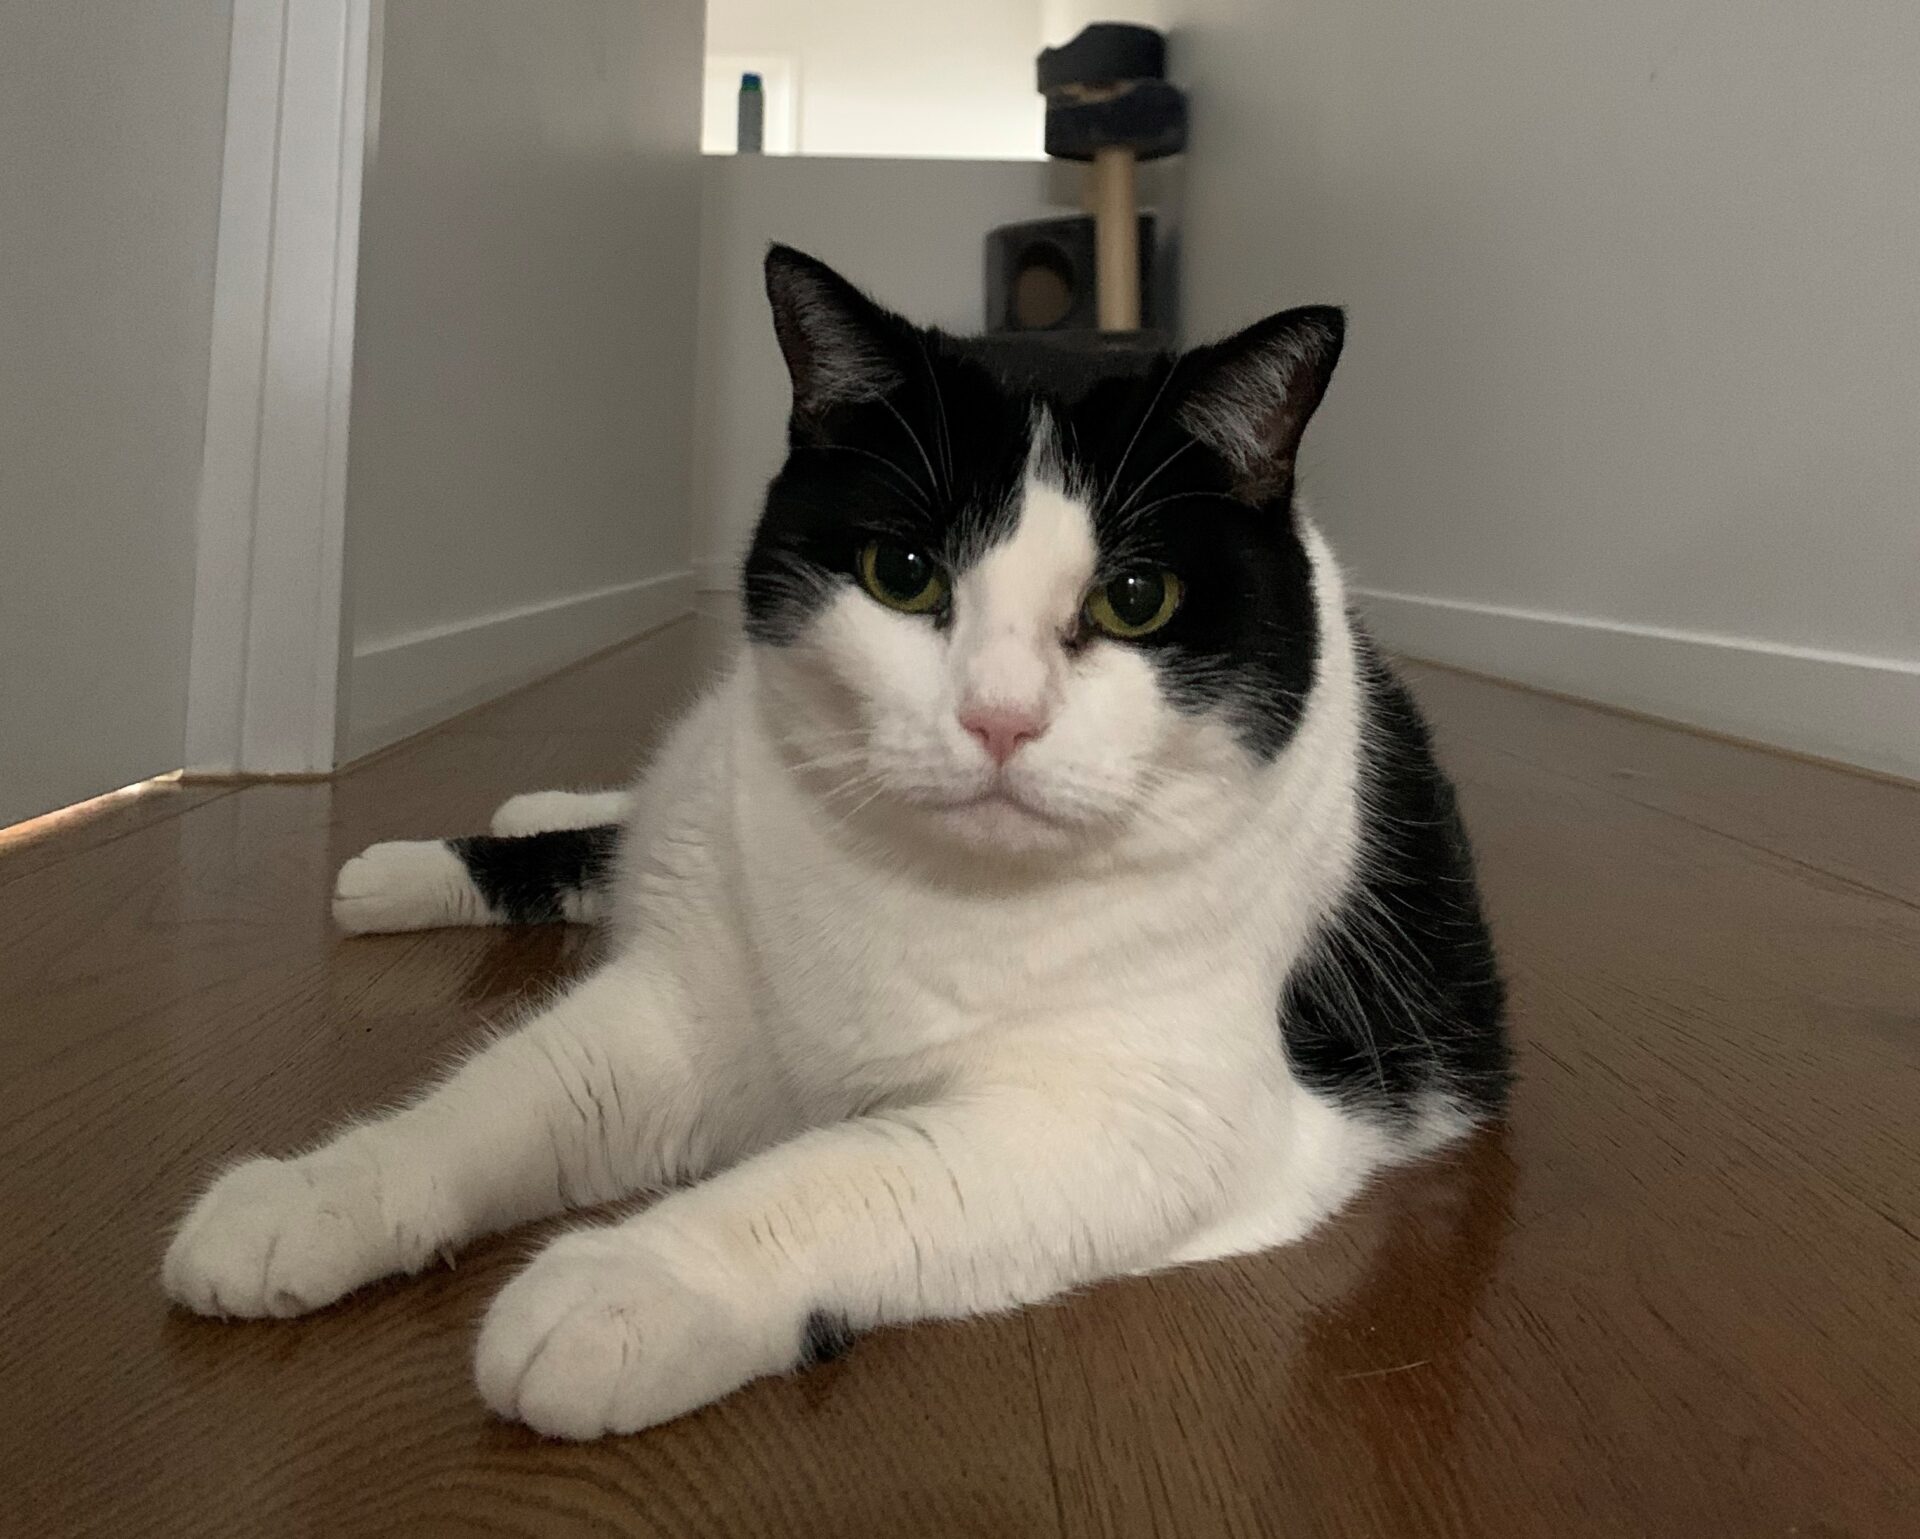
column 1071, row 299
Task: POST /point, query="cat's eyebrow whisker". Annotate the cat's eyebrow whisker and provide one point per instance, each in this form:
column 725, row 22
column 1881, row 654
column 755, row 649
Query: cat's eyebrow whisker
column 919, row 499
column 1120, row 512
column 940, row 418
column 1134, row 515
column 1138, row 427
column 933, row 480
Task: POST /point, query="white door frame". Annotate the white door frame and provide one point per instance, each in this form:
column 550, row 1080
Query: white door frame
column 268, row 625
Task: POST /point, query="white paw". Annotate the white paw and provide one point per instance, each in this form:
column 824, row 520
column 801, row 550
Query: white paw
column 543, row 812
column 407, row 884
column 281, row 1237
column 602, row 1335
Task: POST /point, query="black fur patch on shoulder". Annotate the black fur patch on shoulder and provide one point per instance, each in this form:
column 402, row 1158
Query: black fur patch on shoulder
column 1400, row 997
column 526, row 879
column 826, row 1336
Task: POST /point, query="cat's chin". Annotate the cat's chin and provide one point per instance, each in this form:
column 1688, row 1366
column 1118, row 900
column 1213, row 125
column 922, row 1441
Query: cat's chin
column 1001, row 820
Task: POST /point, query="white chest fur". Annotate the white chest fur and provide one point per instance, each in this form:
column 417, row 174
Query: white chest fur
column 855, row 959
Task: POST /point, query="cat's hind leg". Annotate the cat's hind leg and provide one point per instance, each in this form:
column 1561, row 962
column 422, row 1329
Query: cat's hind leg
column 426, row 884
column 540, row 812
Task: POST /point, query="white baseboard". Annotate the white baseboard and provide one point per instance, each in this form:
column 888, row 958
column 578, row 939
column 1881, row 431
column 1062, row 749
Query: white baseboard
column 398, row 687
column 1837, row 705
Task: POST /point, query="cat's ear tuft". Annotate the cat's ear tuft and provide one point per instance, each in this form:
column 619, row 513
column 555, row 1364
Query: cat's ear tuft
column 1251, row 396
column 837, row 342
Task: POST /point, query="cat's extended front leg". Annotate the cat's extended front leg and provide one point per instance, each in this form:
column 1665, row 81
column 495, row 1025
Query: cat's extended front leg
column 607, row 1091
column 1043, row 1172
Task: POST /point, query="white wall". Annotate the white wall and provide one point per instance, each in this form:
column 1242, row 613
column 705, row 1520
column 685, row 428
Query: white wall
column 1631, row 406
column 911, row 232
column 111, row 116
column 1061, row 20
column 898, row 77
column 518, row 490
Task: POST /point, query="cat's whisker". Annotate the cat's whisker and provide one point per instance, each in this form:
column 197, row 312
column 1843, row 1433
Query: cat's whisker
column 940, row 415
column 852, row 784
column 826, row 761
column 865, row 802
column 1135, row 515
column 837, row 734
column 1151, row 477
column 1146, row 416
column 920, row 499
column 933, row 481
column 827, row 745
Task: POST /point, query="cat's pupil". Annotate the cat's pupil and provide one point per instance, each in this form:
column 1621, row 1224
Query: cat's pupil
column 1136, row 597
column 902, row 571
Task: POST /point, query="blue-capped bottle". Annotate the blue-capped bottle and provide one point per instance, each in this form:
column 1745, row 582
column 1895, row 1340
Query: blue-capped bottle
column 753, row 115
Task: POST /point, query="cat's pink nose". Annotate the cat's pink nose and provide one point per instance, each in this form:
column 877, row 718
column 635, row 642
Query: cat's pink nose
column 1001, row 729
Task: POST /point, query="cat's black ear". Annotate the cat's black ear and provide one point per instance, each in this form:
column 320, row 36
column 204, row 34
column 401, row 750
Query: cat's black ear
column 839, row 345
column 1250, row 397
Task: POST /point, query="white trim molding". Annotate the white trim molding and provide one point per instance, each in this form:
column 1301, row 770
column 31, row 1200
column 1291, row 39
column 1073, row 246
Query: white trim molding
column 264, row 680
column 1836, row 705
column 412, row 681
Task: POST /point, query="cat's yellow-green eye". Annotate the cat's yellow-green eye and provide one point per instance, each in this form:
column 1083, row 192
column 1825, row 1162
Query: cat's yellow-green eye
column 1134, row 604
column 902, row 577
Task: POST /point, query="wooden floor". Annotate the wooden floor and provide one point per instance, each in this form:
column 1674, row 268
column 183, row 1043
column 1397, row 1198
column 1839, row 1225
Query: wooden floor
column 1678, row 1296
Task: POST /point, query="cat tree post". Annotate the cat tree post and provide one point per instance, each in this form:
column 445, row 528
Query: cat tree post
column 1116, row 221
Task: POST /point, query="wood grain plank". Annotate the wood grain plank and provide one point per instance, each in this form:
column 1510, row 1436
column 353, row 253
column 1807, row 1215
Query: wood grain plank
column 1858, row 826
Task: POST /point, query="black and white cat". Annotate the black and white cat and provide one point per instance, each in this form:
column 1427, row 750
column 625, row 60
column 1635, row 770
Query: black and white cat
column 1058, row 886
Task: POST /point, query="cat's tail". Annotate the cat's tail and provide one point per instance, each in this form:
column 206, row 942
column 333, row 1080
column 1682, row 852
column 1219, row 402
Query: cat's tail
column 540, row 865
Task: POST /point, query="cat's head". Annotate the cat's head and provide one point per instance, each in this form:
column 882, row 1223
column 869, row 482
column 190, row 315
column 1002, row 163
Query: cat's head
column 1020, row 623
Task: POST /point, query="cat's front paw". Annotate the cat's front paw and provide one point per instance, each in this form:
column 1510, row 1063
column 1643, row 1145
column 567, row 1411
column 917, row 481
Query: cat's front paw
column 281, row 1237
column 601, row 1334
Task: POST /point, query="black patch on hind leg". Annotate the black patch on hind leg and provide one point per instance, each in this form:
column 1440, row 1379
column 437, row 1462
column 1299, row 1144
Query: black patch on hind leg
column 826, row 1336
column 526, row 879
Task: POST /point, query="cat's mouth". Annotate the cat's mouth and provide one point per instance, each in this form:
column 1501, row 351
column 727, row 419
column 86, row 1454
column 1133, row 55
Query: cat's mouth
column 998, row 799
